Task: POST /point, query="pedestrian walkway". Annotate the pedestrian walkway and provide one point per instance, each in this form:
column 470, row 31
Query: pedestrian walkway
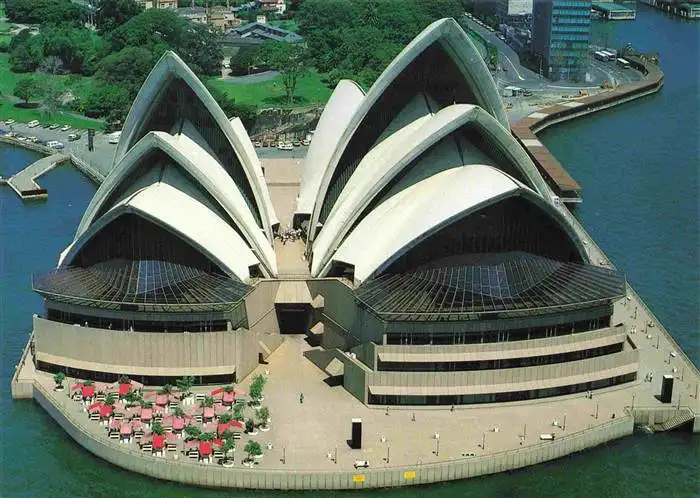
column 24, row 182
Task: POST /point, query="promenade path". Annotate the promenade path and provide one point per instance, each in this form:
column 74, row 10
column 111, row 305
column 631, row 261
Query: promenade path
column 24, row 182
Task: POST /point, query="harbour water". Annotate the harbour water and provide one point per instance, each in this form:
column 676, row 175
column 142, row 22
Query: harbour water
column 639, row 168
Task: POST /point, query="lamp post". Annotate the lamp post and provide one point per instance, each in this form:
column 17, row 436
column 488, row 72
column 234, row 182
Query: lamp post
column 596, row 410
column 284, row 455
column 335, row 459
column 387, row 454
column 483, row 442
column 633, row 397
column 563, row 427
column 437, row 444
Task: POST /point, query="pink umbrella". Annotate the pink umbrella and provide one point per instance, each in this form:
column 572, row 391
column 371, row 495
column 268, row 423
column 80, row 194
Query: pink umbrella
column 146, row 414
column 178, row 423
column 161, row 399
column 228, row 398
column 219, row 409
column 125, row 430
column 95, row 407
column 208, row 412
column 114, row 425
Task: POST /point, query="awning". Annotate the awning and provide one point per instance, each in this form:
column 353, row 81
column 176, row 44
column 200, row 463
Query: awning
column 293, row 292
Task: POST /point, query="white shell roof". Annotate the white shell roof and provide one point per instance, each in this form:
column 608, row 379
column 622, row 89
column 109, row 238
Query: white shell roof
column 467, row 57
column 417, row 212
column 206, row 170
column 343, row 103
column 186, row 217
column 168, row 67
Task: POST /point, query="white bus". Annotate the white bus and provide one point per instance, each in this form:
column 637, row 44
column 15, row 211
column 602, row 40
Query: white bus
column 623, row 63
column 601, row 56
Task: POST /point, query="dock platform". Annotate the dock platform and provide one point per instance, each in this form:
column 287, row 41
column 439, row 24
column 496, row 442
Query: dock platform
column 24, row 182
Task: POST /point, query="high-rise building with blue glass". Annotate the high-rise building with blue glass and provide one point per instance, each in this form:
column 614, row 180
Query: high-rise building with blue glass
column 560, row 37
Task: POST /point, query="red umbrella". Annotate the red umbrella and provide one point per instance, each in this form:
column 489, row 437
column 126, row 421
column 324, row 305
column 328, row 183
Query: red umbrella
column 88, row 391
column 205, row 448
column 158, row 442
column 124, row 389
column 106, row 411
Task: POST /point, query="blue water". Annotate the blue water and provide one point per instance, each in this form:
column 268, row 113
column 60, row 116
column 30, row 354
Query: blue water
column 639, row 168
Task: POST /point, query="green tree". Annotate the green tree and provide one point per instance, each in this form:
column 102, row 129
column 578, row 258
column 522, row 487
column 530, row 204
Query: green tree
column 44, row 11
column 132, row 398
column 178, row 412
column 244, row 60
column 208, row 401
column 25, row 52
column 207, row 436
column 192, row 431
column 58, row 378
column 256, row 388
column 184, row 385
column 225, row 417
column 113, row 13
column 26, row 89
column 238, row 413
column 110, row 400
column 227, row 447
column 157, row 428
column 264, row 416
column 166, row 389
column 52, row 91
column 253, row 449
column 249, row 425
column 158, row 30
column 290, row 60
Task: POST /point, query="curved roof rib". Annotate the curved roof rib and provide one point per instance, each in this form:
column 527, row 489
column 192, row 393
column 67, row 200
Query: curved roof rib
column 186, row 218
column 204, row 169
column 400, row 151
column 340, row 108
column 421, row 210
column 442, row 65
column 149, row 102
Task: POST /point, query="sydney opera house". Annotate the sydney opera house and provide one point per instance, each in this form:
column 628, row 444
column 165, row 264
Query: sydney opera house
column 438, row 268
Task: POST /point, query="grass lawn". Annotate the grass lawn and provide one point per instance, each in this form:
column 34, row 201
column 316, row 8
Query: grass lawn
column 288, row 25
column 310, row 90
column 8, row 110
column 79, row 85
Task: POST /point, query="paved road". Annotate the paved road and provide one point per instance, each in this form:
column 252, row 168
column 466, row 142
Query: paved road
column 247, row 80
column 516, row 74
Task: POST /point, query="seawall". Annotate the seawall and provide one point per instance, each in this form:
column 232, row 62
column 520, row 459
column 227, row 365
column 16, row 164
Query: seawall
column 215, row 476
column 525, row 130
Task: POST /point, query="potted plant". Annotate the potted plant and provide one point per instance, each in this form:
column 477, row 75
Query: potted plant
column 146, row 404
column 250, row 427
column 166, row 389
column 254, row 450
column 132, row 398
column 264, row 417
column 184, row 385
column 228, row 446
column 110, row 400
column 256, row 390
column 158, row 429
column 207, row 436
column 225, row 418
column 227, row 389
column 208, row 401
column 238, row 413
column 193, row 432
column 178, row 412
column 58, row 378
column 123, row 379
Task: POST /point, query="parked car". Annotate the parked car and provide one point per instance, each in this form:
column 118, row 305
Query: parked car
column 296, row 143
column 257, row 144
column 55, row 144
column 66, row 127
column 33, row 124
column 46, row 125
column 21, row 138
column 53, row 126
column 9, row 121
column 32, row 139
column 527, row 93
column 73, row 137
